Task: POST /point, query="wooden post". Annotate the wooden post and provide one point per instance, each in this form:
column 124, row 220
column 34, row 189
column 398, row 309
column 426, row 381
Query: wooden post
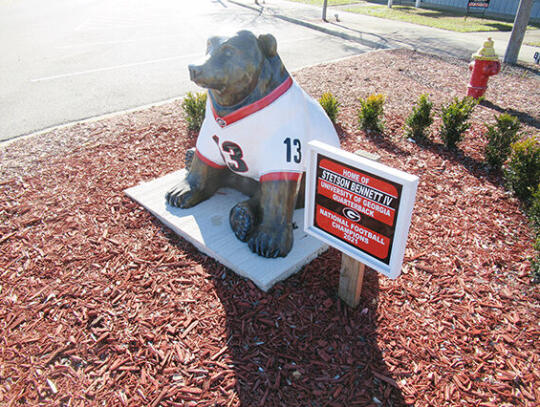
column 351, row 277
column 325, row 5
column 351, row 274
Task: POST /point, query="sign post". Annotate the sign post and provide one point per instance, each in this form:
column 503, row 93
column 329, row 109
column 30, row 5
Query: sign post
column 351, row 273
column 360, row 207
column 324, row 11
column 351, row 276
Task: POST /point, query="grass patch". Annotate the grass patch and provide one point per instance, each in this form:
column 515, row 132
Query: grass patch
column 446, row 20
column 330, row 2
column 532, row 43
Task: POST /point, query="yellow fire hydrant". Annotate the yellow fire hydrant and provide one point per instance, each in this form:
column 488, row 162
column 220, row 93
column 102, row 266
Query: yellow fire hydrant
column 485, row 63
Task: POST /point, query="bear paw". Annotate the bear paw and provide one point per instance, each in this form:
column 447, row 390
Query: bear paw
column 243, row 221
column 183, row 196
column 272, row 240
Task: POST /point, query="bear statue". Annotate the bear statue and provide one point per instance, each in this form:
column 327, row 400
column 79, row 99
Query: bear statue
column 254, row 137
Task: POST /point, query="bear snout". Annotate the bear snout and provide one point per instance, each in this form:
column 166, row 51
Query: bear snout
column 204, row 76
column 194, row 72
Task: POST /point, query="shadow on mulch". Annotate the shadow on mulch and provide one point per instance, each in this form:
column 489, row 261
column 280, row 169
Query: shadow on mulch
column 299, row 344
column 385, row 143
column 522, row 116
column 475, row 167
column 380, row 140
column 341, row 131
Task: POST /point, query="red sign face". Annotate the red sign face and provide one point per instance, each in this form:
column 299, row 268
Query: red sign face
column 356, row 207
column 478, row 3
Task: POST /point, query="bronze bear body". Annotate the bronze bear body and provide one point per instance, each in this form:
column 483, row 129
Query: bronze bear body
column 247, row 82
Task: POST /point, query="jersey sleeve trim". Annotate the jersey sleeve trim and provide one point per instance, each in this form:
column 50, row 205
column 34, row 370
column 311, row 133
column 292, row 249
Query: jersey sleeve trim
column 254, row 107
column 207, row 161
column 281, row 176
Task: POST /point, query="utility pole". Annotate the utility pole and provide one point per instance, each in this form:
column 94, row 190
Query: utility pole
column 390, row 3
column 325, row 4
column 518, row 31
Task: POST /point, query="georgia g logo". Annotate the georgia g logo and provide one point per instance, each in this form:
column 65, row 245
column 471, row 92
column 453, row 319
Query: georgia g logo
column 351, row 214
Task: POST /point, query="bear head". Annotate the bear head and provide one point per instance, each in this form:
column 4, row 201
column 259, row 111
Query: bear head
column 239, row 69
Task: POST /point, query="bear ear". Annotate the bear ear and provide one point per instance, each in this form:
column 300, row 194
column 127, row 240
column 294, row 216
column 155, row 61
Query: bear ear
column 212, row 43
column 268, row 45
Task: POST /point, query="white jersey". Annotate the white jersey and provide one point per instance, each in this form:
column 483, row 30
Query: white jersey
column 267, row 139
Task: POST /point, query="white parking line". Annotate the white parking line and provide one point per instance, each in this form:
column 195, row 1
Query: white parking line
column 96, row 44
column 114, row 67
column 153, row 61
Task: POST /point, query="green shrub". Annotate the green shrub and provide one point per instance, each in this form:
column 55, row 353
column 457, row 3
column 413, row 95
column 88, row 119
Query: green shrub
column 523, row 170
column 420, row 119
column 534, row 210
column 534, row 217
column 330, row 105
column 500, row 138
column 454, row 120
column 535, row 263
column 194, row 106
column 371, row 112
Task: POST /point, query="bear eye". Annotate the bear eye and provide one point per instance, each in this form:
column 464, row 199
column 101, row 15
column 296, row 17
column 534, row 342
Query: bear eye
column 228, row 52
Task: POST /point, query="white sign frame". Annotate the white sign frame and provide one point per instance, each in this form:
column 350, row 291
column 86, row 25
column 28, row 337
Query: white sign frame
column 402, row 223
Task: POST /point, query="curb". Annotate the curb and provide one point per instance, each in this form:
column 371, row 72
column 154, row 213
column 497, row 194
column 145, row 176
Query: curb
column 91, row 119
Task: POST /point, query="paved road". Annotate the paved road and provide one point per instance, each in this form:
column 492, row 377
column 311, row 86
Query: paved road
column 67, row 60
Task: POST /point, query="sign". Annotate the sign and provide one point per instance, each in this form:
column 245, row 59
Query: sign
column 537, row 57
column 478, row 3
column 361, row 207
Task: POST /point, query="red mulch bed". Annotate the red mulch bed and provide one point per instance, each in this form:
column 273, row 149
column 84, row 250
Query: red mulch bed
column 102, row 305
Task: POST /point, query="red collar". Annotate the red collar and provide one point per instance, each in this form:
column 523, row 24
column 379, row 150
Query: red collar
column 252, row 108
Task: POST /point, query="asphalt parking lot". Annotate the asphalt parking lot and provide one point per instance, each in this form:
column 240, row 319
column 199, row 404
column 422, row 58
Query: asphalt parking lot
column 65, row 61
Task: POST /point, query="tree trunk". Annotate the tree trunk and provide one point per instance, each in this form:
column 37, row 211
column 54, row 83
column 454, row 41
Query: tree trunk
column 518, row 31
column 417, row 4
column 390, row 3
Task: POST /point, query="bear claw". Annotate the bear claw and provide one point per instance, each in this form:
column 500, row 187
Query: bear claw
column 272, row 242
column 182, row 196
